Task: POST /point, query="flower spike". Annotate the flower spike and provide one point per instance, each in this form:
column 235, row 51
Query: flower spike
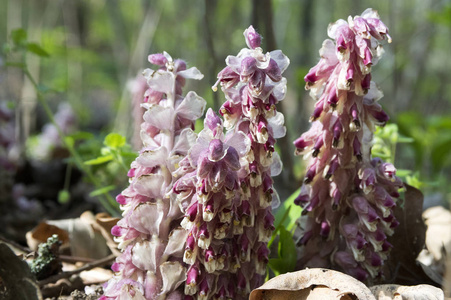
column 347, row 196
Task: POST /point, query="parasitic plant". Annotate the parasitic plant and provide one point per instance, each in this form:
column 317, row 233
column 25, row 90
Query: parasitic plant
column 347, row 196
column 197, row 215
column 225, row 186
column 149, row 234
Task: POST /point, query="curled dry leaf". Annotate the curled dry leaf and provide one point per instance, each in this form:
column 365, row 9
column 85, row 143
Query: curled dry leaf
column 87, row 236
column 42, row 232
column 310, row 284
column 399, row 292
column 103, row 222
column 438, row 234
column 408, row 241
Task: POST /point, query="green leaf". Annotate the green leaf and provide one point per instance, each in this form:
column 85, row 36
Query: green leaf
column 15, row 64
column 288, row 212
column 69, row 141
column 440, row 154
column 128, row 154
column 405, row 139
column 403, row 173
column 102, row 191
column 99, row 160
column 286, row 261
column 63, row 196
column 380, row 154
column 19, row 36
column 114, row 140
column 81, row 135
column 36, row 49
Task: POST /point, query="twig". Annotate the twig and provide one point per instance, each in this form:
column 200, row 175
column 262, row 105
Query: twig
column 94, row 264
column 74, row 259
column 16, row 245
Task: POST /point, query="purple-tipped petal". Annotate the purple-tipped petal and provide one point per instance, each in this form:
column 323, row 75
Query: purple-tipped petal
column 157, row 59
column 253, row 39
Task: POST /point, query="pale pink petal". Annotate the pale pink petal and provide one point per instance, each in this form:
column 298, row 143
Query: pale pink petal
column 281, row 59
column 192, row 107
column 173, row 274
column 192, row 73
column 160, row 117
column 149, row 185
column 333, row 28
column 239, row 141
column 146, row 218
column 144, row 254
column 276, row 124
column 175, row 246
column 152, row 158
column 184, row 141
column 161, row 81
column 276, row 166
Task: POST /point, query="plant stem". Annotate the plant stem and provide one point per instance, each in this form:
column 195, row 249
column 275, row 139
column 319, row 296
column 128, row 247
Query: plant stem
column 106, row 200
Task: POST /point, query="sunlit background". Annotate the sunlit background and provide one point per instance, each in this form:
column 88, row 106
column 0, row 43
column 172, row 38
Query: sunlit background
column 97, row 47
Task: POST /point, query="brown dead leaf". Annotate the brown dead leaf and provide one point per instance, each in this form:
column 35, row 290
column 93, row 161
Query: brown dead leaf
column 399, row 292
column 313, row 284
column 84, row 240
column 42, row 232
column 104, row 223
column 96, row 276
column 62, row 287
column 408, row 241
column 86, row 236
column 438, row 234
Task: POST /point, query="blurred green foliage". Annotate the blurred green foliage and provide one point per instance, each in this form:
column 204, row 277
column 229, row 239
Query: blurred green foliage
column 86, row 53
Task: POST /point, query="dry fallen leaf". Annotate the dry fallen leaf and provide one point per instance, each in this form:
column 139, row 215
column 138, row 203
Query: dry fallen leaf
column 96, row 276
column 438, row 234
column 42, row 232
column 313, row 284
column 87, row 236
column 398, row 292
column 408, row 241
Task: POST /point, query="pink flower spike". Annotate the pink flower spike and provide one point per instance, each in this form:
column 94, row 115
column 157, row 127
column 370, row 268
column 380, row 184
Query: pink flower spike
column 352, row 202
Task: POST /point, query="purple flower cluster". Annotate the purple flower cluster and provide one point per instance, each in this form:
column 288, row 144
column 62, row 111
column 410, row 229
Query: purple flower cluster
column 149, row 234
column 225, row 186
column 217, row 248
column 347, row 196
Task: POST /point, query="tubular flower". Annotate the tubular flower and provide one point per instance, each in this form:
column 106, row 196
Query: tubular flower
column 216, row 218
column 347, row 196
column 151, row 264
column 232, row 221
